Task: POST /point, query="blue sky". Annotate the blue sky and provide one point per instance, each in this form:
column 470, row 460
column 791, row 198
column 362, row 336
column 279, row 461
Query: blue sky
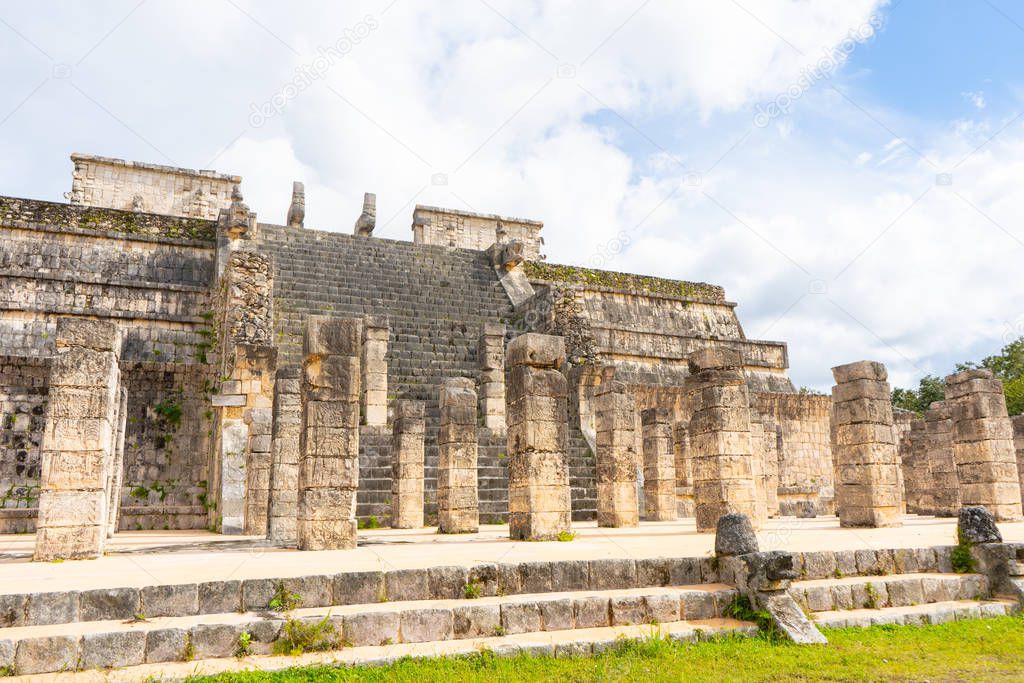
column 631, row 129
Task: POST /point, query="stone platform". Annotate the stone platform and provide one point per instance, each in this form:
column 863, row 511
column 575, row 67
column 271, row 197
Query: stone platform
column 146, row 558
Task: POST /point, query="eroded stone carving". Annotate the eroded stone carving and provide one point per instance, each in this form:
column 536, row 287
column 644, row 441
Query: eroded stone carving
column 367, row 220
column 297, row 209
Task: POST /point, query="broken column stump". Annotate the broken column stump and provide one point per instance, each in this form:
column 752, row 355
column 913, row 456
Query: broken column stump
column 659, row 466
column 407, row 457
column 869, row 492
column 539, row 497
column 329, row 445
column 79, row 441
column 617, row 458
column 458, row 503
column 720, row 442
column 986, row 461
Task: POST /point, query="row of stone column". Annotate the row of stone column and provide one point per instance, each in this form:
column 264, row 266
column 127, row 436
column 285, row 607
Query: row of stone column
column 961, row 453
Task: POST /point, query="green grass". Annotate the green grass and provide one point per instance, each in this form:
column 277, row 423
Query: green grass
column 978, row 650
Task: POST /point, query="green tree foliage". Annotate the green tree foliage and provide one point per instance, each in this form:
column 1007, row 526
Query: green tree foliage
column 929, row 390
column 1007, row 365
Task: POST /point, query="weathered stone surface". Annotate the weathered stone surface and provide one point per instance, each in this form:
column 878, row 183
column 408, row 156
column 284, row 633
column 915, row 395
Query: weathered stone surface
column 407, row 584
column 590, row 611
column 539, row 494
column 611, row 574
column 355, row 588
column 457, row 498
column 104, row 604
column 329, row 442
column 476, row 621
column 719, row 440
column 284, row 472
column 175, row 600
column 112, row 650
column 45, row 654
column 789, row 618
column 423, row 625
column 983, row 447
column 216, row 597
column 659, row 466
column 165, row 645
column 215, row 640
column 521, row 617
column 372, row 628
column 52, row 608
column 617, row 459
column 734, row 535
column 977, row 525
column 407, row 463
column 869, row 488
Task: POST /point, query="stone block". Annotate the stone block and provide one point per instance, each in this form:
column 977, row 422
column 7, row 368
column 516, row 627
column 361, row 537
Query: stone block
column 654, row 571
column 165, row 645
column 372, row 628
column 611, row 574
column 684, row 571
column 476, row 621
column 536, row 350
column 557, row 614
column 407, row 584
column 104, row 604
column 663, row 609
column 591, row 611
column 697, row 604
column 176, row 600
column 536, row 577
column 215, row 640
column 98, row 335
column 13, row 610
column 628, row 609
column 570, row 575
column 423, row 625
column 447, row 583
column 112, row 650
column 327, row 335
column 45, row 654
column 218, row 597
column 521, row 617
column 59, row 607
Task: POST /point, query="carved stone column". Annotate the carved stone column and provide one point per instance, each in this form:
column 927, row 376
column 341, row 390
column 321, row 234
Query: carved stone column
column 539, row 497
column 492, row 375
column 869, row 492
column 375, row 370
column 407, row 462
column 939, row 452
column 617, row 459
column 284, row 473
column 458, row 504
column 79, row 441
column 329, row 444
column 659, row 466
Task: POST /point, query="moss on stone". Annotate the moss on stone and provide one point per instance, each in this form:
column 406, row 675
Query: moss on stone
column 577, row 275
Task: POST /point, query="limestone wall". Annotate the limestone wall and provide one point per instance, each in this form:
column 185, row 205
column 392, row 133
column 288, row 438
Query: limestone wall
column 135, row 186
column 801, row 422
column 467, row 230
column 150, row 274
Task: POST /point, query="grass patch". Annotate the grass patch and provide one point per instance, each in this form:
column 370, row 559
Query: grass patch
column 298, row 637
column 985, row 650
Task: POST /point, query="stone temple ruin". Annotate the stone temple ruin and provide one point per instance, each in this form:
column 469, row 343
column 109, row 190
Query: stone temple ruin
column 172, row 361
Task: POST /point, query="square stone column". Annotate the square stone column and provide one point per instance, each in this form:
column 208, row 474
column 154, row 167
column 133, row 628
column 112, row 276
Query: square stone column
column 458, row 504
column 407, row 462
column 617, row 460
column 723, row 467
column 939, row 451
column 117, row 468
column 918, row 484
column 375, row 370
column 492, row 375
column 759, row 463
column 539, row 497
column 79, row 441
column 284, row 469
column 986, row 461
column 684, row 469
column 1018, row 445
column 659, row 466
column 869, row 491
column 329, row 444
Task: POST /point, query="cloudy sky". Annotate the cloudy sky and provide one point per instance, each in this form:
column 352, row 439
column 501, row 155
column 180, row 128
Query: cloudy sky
column 851, row 171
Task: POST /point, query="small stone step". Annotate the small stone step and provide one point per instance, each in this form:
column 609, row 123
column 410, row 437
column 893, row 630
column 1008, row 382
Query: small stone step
column 893, row 590
column 917, row 615
column 103, row 644
column 551, row 643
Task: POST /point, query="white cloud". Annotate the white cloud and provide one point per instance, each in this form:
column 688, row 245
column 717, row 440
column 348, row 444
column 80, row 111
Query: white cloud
column 648, row 140
column 975, row 98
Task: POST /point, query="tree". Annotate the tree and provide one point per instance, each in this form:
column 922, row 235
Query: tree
column 929, row 390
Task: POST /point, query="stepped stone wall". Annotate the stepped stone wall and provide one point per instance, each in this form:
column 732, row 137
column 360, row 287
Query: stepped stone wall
column 478, row 231
column 134, row 186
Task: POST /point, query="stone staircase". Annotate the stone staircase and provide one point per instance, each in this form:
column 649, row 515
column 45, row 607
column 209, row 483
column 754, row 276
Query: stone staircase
column 436, row 300
column 563, row 607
